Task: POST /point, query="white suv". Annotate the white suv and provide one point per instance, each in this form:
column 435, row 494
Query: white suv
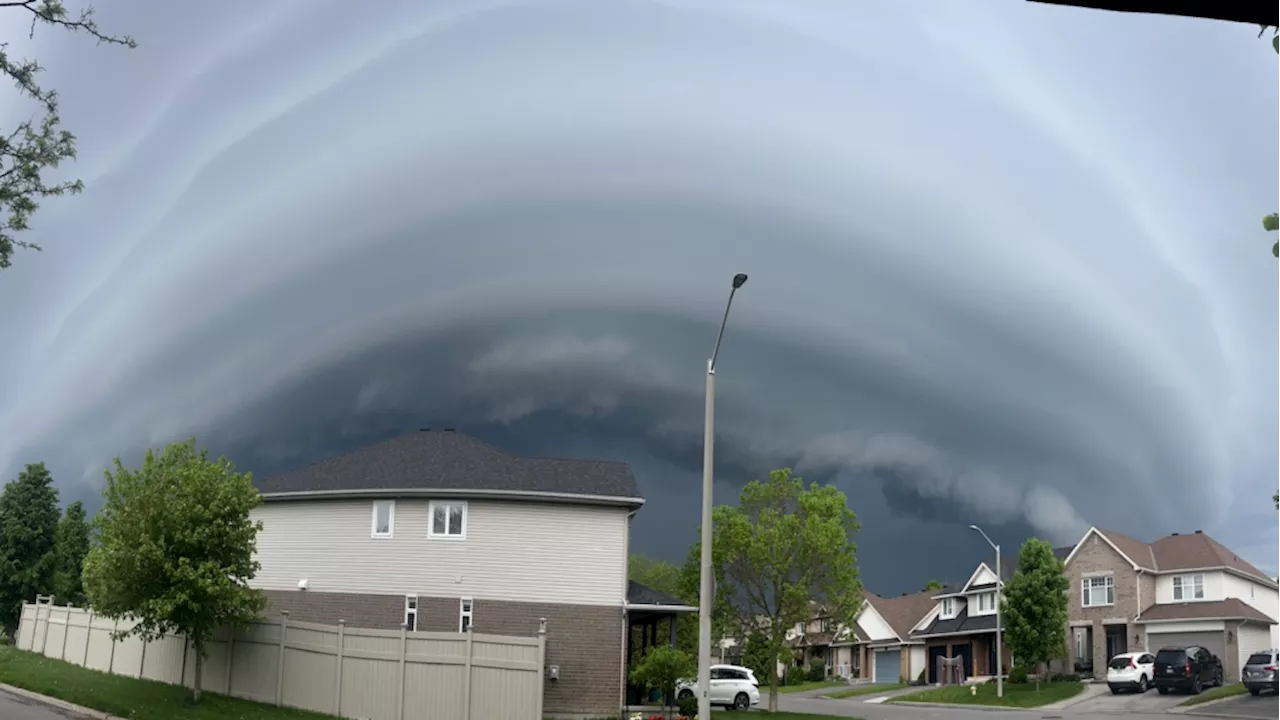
column 732, row 686
column 1131, row 671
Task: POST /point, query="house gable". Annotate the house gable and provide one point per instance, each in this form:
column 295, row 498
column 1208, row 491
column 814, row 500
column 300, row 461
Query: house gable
column 1143, row 560
column 982, row 576
column 873, row 625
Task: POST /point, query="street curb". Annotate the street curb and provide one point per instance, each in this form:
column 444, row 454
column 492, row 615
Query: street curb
column 1198, row 709
column 956, row 706
column 62, row 705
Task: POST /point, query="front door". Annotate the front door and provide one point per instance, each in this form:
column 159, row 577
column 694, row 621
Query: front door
column 964, row 651
column 931, row 669
column 1116, row 641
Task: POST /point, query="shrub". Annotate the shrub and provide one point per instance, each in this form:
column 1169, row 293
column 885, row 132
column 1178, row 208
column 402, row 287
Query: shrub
column 920, row 678
column 688, row 706
column 817, row 670
column 1065, row 677
column 1018, row 674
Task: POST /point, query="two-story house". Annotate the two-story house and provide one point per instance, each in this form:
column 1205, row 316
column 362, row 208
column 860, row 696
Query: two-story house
column 442, row 532
column 881, row 649
column 1182, row 589
column 962, row 623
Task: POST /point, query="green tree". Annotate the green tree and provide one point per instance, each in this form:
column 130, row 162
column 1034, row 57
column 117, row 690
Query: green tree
column 758, row 655
column 782, row 546
column 175, row 548
column 653, row 573
column 1035, row 606
column 932, row 585
column 70, row 546
column 38, row 143
column 28, row 525
column 661, row 668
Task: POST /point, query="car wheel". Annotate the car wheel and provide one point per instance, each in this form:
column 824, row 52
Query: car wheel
column 1162, row 690
column 741, row 702
column 1115, row 690
column 1142, row 683
column 1196, row 687
column 684, row 694
column 1219, row 678
column 1254, row 691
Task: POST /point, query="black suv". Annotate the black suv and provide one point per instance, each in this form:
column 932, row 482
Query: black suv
column 1190, row 668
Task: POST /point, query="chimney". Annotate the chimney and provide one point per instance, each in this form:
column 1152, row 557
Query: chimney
column 450, row 430
column 1199, row 532
column 1173, row 535
column 424, row 429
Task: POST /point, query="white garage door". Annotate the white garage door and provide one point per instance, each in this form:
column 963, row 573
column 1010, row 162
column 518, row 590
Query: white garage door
column 1211, row 640
column 888, row 666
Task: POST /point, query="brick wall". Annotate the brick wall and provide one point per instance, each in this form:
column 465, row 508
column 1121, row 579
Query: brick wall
column 1093, row 558
column 585, row 641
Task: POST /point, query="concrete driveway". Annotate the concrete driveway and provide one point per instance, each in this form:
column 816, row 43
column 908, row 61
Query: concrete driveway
column 1244, row 706
column 1128, row 702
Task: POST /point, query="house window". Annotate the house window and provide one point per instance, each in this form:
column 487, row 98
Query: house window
column 384, row 518
column 1095, row 591
column 1188, row 587
column 448, row 519
column 464, row 615
column 411, row 612
column 987, row 603
column 948, row 607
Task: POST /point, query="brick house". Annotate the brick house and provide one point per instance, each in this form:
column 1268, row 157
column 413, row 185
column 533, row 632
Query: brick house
column 443, row 532
column 1183, row 589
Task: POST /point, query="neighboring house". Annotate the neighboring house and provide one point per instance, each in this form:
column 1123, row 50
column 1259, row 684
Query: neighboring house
column 811, row 640
column 881, row 649
column 1183, row 589
column 962, row 623
column 443, row 532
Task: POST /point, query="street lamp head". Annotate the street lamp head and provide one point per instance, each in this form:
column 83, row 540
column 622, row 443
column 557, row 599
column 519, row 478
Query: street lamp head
column 739, row 280
column 974, row 527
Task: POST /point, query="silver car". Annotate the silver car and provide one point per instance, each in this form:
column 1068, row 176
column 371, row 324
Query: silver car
column 1259, row 672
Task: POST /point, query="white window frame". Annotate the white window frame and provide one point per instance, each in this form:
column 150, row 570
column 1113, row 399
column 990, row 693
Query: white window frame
column 411, row 612
column 467, row 613
column 990, row 598
column 391, row 520
column 948, row 609
column 1107, row 582
column 1183, row 583
column 431, row 520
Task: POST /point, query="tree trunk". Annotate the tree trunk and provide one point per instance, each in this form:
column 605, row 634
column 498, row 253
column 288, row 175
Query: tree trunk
column 195, row 684
column 773, row 681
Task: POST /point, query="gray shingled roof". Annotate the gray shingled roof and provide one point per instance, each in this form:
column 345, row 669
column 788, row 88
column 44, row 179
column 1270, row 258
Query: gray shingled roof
column 961, row 623
column 452, row 461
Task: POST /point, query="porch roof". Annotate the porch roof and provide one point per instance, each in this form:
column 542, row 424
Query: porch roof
column 961, row 624
column 642, row 598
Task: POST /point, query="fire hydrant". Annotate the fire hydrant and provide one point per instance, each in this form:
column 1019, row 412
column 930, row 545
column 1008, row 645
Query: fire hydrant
column 973, row 689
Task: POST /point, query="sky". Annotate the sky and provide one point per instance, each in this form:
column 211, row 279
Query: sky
column 1006, row 260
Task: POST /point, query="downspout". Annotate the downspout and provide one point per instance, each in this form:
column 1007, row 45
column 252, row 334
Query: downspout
column 626, row 626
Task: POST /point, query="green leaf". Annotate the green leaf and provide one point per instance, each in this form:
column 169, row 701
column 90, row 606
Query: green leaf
column 1271, row 223
column 1275, row 249
column 1275, row 43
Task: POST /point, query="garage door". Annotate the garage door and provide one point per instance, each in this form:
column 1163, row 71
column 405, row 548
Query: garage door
column 888, row 666
column 1211, row 640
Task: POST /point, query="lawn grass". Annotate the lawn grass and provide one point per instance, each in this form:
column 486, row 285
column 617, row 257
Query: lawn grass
column 129, row 697
column 867, row 689
column 758, row 714
column 1022, row 695
column 816, row 685
column 1215, row 694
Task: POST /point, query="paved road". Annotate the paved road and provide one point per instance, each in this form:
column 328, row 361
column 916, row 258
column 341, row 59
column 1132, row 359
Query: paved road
column 1128, row 702
column 16, row 708
column 1263, row 706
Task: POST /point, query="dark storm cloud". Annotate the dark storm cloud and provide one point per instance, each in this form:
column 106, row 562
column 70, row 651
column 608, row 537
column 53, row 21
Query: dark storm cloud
column 975, row 295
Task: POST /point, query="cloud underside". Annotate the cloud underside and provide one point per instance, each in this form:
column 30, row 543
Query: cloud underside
column 521, row 221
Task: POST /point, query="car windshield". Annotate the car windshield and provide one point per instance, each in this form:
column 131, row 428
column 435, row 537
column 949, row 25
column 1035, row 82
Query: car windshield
column 1119, row 663
column 1259, row 659
column 1171, row 657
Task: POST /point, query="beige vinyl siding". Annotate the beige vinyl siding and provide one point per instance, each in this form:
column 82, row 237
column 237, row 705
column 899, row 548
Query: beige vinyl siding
column 523, row 551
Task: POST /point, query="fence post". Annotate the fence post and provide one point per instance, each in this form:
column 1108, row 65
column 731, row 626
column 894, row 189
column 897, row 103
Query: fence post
column 231, row 646
column 466, row 683
column 88, row 637
column 542, row 659
column 182, row 674
column 66, row 630
column 44, row 643
column 142, row 664
column 404, row 641
column 337, row 679
column 284, row 627
column 111, row 661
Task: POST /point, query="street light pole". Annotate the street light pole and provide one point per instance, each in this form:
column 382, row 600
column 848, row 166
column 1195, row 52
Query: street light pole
column 999, row 581
column 706, row 591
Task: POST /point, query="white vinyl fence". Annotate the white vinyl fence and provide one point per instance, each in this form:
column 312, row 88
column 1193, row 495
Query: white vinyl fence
column 350, row 672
